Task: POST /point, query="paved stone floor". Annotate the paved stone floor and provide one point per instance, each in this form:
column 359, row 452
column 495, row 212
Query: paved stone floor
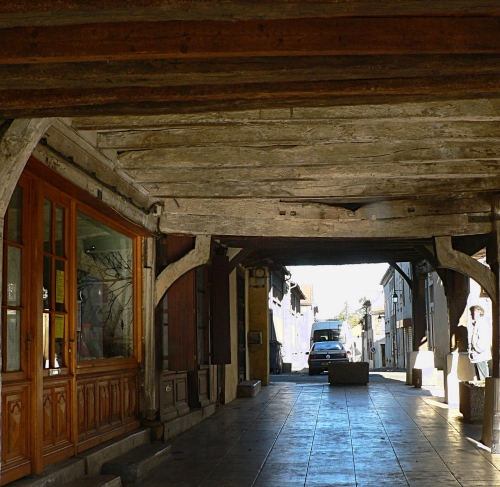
column 307, row 433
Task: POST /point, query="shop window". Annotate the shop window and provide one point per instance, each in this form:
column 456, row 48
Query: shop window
column 105, row 327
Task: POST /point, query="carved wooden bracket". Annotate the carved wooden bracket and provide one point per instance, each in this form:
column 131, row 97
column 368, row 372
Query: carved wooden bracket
column 233, row 263
column 403, row 274
column 460, row 262
column 200, row 255
column 16, row 146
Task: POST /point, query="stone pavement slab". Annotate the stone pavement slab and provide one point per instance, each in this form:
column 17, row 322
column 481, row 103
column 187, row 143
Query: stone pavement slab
column 311, row 434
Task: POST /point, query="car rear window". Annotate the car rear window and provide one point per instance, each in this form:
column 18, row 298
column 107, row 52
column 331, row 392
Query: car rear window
column 328, row 346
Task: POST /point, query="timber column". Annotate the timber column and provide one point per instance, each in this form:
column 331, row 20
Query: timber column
column 258, row 324
column 491, row 419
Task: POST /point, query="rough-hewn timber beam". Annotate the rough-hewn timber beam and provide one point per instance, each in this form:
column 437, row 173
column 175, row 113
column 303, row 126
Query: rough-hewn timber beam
column 237, row 259
column 475, row 205
column 328, row 187
column 300, row 153
column 418, row 227
column 195, row 98
column 485, row 109
column 402, row 273
column 200, row 255
column 264, row 134
column 310, row 36
column 452, row 259
column 55, row 12
column 16, row 146
column 178, row 72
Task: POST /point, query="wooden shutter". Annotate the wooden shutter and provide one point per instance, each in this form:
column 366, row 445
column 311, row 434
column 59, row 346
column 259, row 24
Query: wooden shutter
column 221, row 326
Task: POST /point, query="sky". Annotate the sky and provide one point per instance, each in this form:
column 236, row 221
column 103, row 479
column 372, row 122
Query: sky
column 334, row 285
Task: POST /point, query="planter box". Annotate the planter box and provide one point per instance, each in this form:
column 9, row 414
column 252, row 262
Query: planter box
column 471, row 395
column 348, row 373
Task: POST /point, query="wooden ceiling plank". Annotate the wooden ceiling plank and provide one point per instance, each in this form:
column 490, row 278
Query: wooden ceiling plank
column 314, row 155
column 418, row 227
column 487, row 109
column 322, row 175
column 265, row 134
column 277, row 37
column 345, row 188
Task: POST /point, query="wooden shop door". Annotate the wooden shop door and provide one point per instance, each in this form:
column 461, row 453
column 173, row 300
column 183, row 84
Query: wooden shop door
column 37, row 377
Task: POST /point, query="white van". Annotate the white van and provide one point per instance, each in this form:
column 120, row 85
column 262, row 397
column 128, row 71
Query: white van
column 338, row 331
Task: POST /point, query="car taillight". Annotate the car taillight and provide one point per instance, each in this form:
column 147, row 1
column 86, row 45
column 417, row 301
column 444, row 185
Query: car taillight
column 314, row 355
column 342, row 355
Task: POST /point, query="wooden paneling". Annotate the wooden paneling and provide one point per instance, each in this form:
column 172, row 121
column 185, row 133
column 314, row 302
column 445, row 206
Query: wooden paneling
column 199, row 388
column 15, row 432
column 15, row 435
column 56, row 404
column 173, row 395
column 107, row 405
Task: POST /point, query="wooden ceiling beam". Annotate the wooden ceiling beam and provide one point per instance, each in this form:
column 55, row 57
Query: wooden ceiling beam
column 353, row 187
column 116, row 41
column 473, row 204
column 192, row 99
column 417, row 227
column 424, row 151
column 301, row 133
column 320, row 177
column 178, row 72
column 486, row 109
column 55, row 12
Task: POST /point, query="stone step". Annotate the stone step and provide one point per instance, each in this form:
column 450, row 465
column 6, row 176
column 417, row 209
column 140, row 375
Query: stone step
column 136, row 463
column 249, row 388
column 95, row 481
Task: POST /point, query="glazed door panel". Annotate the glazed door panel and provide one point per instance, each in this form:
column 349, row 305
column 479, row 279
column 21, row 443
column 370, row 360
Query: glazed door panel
column 56, row 343
column 17, row 339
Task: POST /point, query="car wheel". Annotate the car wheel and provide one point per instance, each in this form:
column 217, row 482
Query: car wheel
column 312, row 372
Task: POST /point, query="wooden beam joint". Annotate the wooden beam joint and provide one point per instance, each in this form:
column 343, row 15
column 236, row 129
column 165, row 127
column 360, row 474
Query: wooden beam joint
column 200, row 255
column 452, row 259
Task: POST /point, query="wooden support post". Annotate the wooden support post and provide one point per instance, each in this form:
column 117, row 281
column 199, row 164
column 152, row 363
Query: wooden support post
column 258, row 316
column 456, row 288
column 491, row 419
column 493, row 259
column 16, row 146
column 419, row 310
column 148, row 400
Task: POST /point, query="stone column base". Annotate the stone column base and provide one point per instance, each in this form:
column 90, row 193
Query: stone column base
column 457, row 367
column 421, row 360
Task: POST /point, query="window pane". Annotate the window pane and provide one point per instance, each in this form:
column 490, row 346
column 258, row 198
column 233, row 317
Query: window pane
column 13, row 276
column 105, row 291
column 59, row 340
column 47, row 226
column 60, row 281
column 14, row 231
column 47, row 282
column 60, row 231
column 13, row 361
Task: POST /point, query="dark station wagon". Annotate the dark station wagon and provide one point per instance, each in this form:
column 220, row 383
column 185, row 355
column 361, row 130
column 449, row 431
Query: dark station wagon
column 324, row 353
